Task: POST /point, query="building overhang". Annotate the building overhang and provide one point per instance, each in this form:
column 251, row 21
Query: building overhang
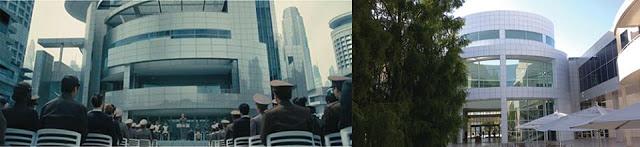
column 78, row 9
column 628, row 15
column 340, row 20
column 61, row 42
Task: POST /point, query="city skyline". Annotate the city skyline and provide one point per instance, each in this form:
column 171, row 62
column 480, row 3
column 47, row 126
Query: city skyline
column 316, row 16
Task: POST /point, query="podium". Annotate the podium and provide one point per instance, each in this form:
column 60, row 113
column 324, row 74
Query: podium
column 182, row 127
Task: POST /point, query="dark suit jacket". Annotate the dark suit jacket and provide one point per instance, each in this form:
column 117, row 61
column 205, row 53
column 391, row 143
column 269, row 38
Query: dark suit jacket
column 241, row 127
column 286, row 117
column 21, row 117
column 331, row 118
column 101, row 123
column 345, row 104
column 64, row 113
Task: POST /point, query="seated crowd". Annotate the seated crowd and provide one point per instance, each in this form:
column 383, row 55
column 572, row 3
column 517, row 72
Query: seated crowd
column 286, row 114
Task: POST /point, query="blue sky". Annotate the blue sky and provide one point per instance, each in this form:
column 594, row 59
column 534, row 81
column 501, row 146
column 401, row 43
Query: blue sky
column 577, row 23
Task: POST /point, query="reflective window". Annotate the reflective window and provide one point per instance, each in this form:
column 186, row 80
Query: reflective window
column 624, row 38
column 483, row 73
column 520, row 34
column 529, row 73
column 523, row 111
column 183, row 33
column 600, row 67
column 482, row 35
column 550, row 41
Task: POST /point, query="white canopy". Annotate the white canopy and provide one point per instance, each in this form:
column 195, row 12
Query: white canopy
column 625, row 118
column 575, row 119
column 542, row 120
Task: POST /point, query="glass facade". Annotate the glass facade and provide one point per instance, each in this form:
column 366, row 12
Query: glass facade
column 529, row 73
column 484, row 73
column 482, row 35
column 523, row 111
column 265, row 35
column 520, row 34
column 550, row 41
column 599, row 68
column 183, row 33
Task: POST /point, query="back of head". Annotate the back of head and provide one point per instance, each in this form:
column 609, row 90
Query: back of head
column 244, row 109
column 330, row 97
column 97, row 100
column 22, row 93
column 109, row 109
column 283, row 93
column 69, row 83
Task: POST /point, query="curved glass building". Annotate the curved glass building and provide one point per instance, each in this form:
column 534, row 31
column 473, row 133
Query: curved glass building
column 341, row 36
column 158, row 59
column 515, row 75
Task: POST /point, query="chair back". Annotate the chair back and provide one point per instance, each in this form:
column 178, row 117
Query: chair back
column 145, row 142
column 229, row 142
column 333, row 139
column 57, row 137
column 317, row 140
column 241, row 141
column 133, row 142
column 255, row 141
column 123, row 142
column 290, row 138
column 96, row 139
column 18, row 137
column 345, row 135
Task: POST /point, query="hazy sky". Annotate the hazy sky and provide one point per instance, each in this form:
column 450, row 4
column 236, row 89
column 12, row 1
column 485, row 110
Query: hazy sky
column 50, row 20
column 578, row 24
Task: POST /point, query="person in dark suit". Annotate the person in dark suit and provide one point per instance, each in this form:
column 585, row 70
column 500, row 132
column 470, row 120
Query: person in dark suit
column 100, row 122
column 345, row 104
column 286, row 116
column 241, row 125
column 331, row 116
column 302, row 102
column 262, row 103
column 63, row 112
column 20, row 116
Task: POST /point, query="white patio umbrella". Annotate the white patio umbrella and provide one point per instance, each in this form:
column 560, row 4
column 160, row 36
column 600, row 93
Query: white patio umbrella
column 575, row 119
column 625, row 118
column 542, row 120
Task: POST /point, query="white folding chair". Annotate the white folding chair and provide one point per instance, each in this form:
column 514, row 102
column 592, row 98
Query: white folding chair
column 57, row 137
column 229, row 142
column 333, row 139
column 345, row 135
column 96, row 139
column 133, row 142
column 123, row 142
column 290, row 138
column 145, row 142
column 241, row 141
column 18, row 137
column 317, row 141
column 255, row 141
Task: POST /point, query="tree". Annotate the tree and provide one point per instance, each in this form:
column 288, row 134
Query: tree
column 410, row 86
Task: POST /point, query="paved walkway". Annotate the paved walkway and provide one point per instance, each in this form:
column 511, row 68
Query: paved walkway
column 572, row 143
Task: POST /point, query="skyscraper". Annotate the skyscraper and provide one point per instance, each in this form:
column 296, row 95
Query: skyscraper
column 15, row 17
column 317, row 79
column 267, row 34
column 300, row 71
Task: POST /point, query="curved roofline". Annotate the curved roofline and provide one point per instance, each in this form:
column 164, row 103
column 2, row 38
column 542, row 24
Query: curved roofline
column 78, row 9
column 516, row 11
column 339, row 20
column 622, row 11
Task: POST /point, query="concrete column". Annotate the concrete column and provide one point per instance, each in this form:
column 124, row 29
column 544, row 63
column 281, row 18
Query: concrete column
column 126, row 81
column 504, row 109
column 235, row 87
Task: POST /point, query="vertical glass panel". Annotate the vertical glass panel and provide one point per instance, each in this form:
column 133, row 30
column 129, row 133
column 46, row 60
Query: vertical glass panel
column 550, row 41
column 516, row 34
column 534, row 36
column 523, row 111
column 529, row 73
column 484, row 73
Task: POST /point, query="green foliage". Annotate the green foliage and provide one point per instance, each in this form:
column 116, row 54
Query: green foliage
column 411, row 84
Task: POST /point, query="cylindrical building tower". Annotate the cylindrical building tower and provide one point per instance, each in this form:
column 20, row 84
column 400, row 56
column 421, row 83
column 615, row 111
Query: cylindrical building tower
column 159, row 59
column 515, row 75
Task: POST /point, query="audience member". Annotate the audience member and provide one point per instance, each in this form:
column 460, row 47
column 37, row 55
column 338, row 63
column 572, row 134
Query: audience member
column 286, row 116
column 3, row 127
column 143, row 130
column 302, row 102
column 123, row 128
column 20, row 116
column 345, row 104
column 331, row 116
column 109, row 110
column 100, row 122
column 262, row 103
column 235, row 114
column 63, row 112
column 33, row 102
column 241, row 125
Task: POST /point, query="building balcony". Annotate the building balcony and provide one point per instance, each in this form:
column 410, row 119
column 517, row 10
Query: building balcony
column 628, row 60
